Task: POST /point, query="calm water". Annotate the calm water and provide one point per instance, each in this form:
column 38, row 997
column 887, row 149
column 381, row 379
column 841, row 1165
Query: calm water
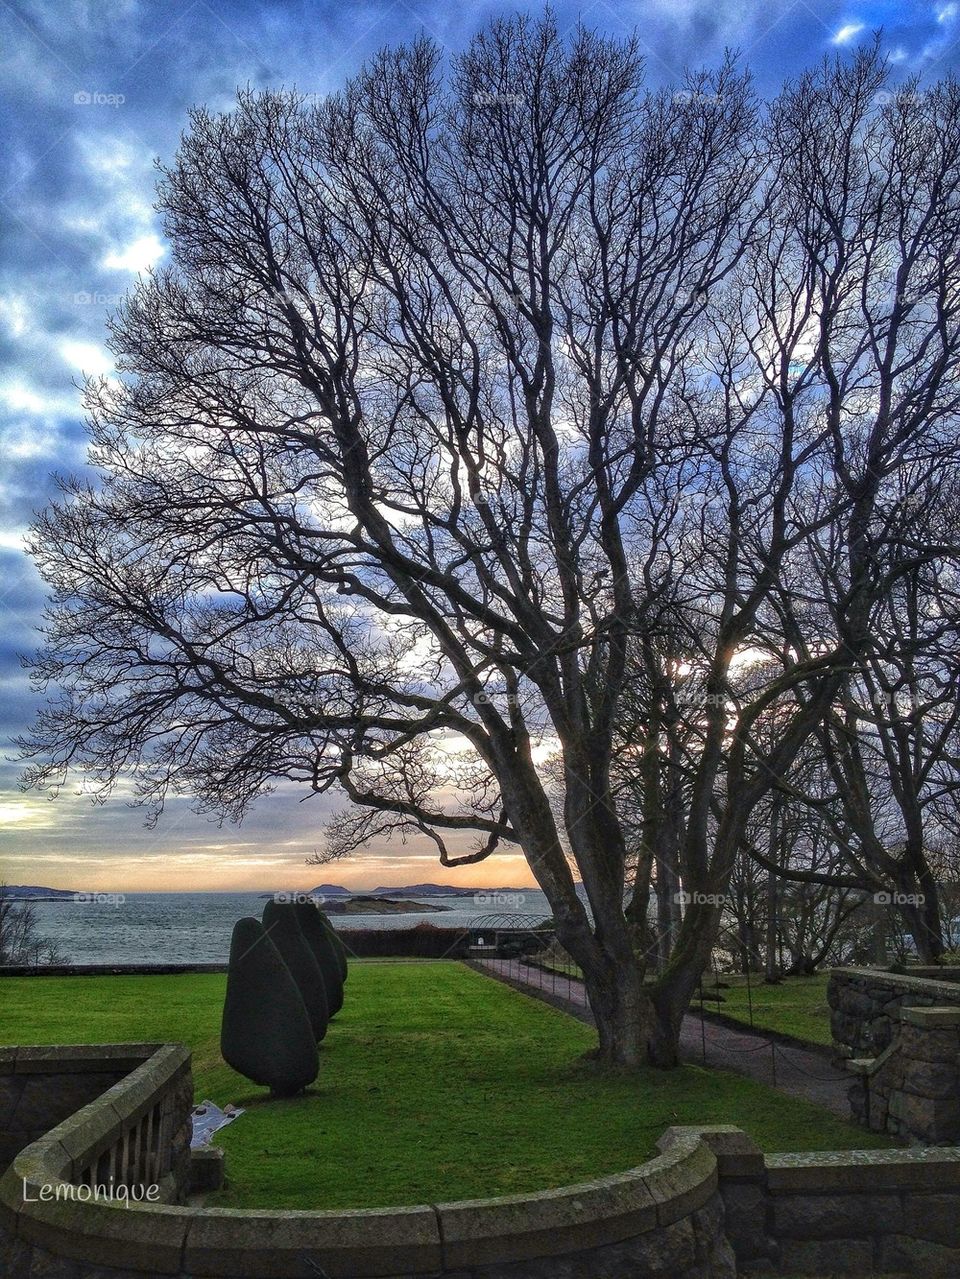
column 180, row 928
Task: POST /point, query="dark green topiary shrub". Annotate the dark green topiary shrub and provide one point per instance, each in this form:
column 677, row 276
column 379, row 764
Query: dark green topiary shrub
column 338, row 945
column 266, row 1033
column 318, row 938
column 283, row 927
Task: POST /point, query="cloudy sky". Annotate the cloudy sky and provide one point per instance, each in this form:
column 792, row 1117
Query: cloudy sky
column 94, row 91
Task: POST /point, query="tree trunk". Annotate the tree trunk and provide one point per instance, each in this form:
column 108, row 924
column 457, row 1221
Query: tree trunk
column 631, row 1031
column 668, row 909
column 927, row 926
column 770, row 966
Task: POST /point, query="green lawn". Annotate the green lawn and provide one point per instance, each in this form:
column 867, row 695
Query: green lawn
column 795, row 1006
column 436, row 1083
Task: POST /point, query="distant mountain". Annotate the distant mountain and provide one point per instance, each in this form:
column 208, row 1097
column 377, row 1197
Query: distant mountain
column 410, row 890
column 440, row 890
column 22, row 892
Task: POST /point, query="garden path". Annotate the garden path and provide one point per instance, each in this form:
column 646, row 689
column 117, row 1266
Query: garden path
column 799, row 1072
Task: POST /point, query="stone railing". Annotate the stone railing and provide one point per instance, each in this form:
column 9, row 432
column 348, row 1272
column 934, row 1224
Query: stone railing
column 709, row 1206
column 126, row 1140
column 663, row 1218
column 876, row 1212
column 39, row 1087
column 865, row 1005
column 912, row 1089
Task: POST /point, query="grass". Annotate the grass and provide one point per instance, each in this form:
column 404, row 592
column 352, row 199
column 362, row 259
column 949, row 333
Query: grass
column 795, row 1006
column 436, row 1083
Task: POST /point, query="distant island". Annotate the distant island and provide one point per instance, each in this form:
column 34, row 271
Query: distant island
column 370, row 905
column 366, row 904
column 413, row 890
column 35, row 893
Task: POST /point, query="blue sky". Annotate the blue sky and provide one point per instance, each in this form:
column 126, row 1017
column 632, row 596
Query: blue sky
column 93, row 92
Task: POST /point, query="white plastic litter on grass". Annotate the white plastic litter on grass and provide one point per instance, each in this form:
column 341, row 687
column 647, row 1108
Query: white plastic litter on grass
column 208, row 1118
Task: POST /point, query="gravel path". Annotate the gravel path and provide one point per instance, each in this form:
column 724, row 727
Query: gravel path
column 799, row 1072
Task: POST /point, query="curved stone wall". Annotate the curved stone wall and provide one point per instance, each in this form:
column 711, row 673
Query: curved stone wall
column 709, row 1206
column 663, row 1218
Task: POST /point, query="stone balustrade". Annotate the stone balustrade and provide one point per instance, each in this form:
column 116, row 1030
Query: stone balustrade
column 710, row 1205
column 865, row 1004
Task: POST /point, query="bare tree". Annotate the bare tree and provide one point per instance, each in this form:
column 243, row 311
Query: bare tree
column 21, row 942
column 440, row 362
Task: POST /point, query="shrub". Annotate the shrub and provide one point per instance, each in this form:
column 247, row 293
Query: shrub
column 316, row 930
column 424, row 941
column 266, row 1033
column 337, row 945
column 280, row 920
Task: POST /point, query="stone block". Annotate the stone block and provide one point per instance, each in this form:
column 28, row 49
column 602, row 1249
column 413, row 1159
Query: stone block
column 737, row 1155
column 206, row 1170
column 928, row 1018
column 248, row 1244
column 668, row 1252
column 929, row 1045
column 904, row 1254
column 745, row 1219
column 933, row 1217
column 803, row 1257
column 162, row 1073
column 78, row 1059
column 939, row 1080
column 836, row 1216
column 878, row 1034
column 516, row 1227
column 682, row 1178
column 143, row 1238
column 864, row 1171
column 925, row 1119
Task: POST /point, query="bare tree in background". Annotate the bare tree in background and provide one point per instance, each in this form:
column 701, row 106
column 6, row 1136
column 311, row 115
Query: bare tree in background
column 21, row 942
column 456, row 390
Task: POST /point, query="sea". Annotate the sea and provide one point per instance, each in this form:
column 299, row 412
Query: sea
column 195, row 928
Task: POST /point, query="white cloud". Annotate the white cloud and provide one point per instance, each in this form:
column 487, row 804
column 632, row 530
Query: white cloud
column 15, row 315
column 22, row 399
column 847, row 32
column 11, row 539
column 86, row 356
column 137, row 256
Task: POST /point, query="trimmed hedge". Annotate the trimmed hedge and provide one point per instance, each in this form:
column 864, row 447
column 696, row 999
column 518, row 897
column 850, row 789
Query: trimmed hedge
column 337, row 945
column 281, row 921
column 424, row 941
column 316, row 933
column 265, row 1033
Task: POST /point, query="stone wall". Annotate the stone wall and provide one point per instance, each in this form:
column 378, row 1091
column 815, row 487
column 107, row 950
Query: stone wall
column 865, row 1005
column 709, row 1206
column 661, row 1220
column 877, row 1212
column 912, row 1089
column 40, row 1087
